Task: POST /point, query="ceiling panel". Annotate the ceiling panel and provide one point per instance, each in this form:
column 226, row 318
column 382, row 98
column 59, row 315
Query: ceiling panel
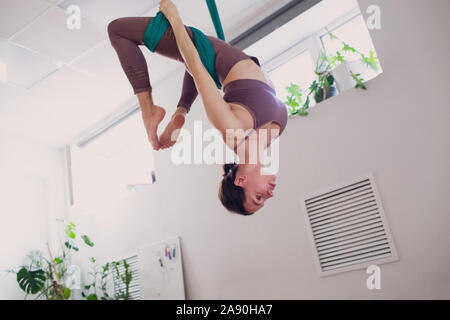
column 101, row 12
column 187, row 20
column 230, row 8
column 50, row 36
column 69, row 101
column 7, row 94
column 63, row 105
column 22, row 67
column 231, row 12
column 240, row 21
column 196, row 13
column 103, row 61
column 14, row 14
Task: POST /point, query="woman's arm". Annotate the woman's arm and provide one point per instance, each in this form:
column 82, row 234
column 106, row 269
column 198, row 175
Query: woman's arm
column 218, row 110
column 188, row 92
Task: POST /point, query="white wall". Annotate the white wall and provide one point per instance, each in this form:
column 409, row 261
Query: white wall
column 31, row 198
column 398, row 130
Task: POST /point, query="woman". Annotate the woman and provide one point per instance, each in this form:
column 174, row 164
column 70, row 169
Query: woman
column 249, row 102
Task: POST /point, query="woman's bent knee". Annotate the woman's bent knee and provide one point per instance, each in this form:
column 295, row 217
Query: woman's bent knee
column 114, row 26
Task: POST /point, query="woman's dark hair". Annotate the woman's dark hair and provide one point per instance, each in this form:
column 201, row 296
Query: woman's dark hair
column 231, row 195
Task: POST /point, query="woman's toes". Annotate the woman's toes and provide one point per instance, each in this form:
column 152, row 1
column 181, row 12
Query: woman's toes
column 169, row 136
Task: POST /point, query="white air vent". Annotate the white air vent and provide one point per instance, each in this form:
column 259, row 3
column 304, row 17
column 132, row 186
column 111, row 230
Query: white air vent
column 134, row 287
column 348, row 227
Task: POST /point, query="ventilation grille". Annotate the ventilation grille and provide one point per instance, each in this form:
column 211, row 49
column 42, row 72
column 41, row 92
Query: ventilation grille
column 134, row 287
column 348, row 227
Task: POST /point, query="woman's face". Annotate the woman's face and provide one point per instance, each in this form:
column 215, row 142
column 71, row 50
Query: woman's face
column 257, row 187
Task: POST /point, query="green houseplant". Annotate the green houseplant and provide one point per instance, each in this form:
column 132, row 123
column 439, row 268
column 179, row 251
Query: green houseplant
column 97, row 288
column 324, row 87
column 125, row 278
column 320, row 89
column 298, row 101
column 44, row 275
column 98, row 285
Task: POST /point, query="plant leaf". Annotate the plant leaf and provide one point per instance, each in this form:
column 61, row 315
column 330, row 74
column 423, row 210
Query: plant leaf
column 307, row 103
column 87, row 240
column 70, row 228
column 332, row 36
column 31, row 281
column 314, row 86
column 373, row 60
column 347, row 48
column 291, row 102
column 329, row 80
column 303, row 113
column 359, row 81
column 296, row 91
column 370, row 61
column 71, row 246
column 92, row 297
column 339, row 57
column 67, row 292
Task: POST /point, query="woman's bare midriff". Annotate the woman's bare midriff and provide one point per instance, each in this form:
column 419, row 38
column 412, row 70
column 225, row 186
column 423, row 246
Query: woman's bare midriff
column 247, row 69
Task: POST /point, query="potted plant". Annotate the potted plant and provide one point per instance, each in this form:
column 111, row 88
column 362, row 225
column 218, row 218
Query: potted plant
column 48, row 277
column 333, row 72
column 348, row 73
column 44, row 276
column 324, row 87
column 97, row 289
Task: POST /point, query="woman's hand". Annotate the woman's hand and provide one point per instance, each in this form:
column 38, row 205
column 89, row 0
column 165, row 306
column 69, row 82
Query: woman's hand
column 170, row 11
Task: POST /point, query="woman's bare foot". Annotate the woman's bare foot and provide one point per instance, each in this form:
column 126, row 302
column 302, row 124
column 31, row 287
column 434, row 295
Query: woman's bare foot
column 169, row 137
column 151, row 122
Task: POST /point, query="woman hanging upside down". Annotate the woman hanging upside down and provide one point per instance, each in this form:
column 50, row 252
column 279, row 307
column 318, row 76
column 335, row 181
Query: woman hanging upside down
column 249, row 102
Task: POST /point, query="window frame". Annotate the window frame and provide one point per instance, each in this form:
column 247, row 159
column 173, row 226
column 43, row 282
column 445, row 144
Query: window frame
column 312, row 43
column 346, row 18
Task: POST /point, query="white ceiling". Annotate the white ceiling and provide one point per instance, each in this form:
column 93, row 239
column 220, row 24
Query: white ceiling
column 56, row 83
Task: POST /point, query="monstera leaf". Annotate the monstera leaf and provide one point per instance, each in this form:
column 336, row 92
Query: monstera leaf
column 31, row 281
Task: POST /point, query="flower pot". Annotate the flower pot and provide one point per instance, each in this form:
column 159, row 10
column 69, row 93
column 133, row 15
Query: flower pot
column 332, row 91
column 342, row 74
column 343, row 79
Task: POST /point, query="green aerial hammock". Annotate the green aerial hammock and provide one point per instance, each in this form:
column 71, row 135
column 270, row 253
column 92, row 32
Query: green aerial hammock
column 159, row 24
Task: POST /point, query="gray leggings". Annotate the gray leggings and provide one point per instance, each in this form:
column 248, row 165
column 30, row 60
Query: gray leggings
column 126, row 35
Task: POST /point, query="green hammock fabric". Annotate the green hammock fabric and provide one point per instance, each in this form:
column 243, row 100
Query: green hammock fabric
column 215, row 18
column 158, row 26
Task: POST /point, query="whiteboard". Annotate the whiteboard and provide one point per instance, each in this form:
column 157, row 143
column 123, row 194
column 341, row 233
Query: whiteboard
column 161, row 271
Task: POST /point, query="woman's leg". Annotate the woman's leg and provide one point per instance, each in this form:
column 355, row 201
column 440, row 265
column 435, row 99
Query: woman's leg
column 126, row 35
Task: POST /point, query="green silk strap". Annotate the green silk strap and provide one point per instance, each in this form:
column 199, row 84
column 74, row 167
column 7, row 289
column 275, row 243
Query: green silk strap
column 215, row 18
column 155, row 32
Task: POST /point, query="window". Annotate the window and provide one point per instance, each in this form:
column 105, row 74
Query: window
column 309, row 37
column 112, row 165
column 290, row 72
column 353, row 32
